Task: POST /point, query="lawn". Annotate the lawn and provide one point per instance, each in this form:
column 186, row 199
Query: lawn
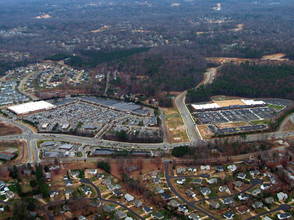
column 258, row 122
column 277, row 107
column 175, row 125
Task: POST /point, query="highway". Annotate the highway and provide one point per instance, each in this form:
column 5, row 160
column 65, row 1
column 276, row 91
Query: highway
column 31, row 138
column 285, row 121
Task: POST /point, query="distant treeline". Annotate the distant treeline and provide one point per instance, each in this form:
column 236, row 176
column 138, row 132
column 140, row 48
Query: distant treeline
column 93, row 58
column 245, row 80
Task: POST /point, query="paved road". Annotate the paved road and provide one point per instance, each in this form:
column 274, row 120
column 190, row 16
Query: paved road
column 254, row 182
column 31, row 138
column 283, row 207
column 87, row 181
column 285, row 121
column 167, row 176
column 184, row 112
column 20, row 87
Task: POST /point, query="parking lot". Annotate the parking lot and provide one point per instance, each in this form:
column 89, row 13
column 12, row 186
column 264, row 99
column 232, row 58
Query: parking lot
column 79, row 115
column 234, row 115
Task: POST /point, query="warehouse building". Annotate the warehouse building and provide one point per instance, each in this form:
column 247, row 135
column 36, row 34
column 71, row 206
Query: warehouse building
column 30, row 107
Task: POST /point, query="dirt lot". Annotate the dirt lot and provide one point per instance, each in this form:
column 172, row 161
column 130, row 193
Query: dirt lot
column 8, row 129
column 176, row 130
column 204, row 131
column 276, row 56
column 233, row 125
column 289, row 126
column 19, row 147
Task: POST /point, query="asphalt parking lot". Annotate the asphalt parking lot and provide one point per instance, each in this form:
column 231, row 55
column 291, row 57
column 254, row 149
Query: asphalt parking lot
column 234, row 115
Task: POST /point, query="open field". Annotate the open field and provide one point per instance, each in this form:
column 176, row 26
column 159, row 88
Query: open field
column 175, row 126
column 276, row 57
column 204, row 131
column 259, row 122
column 233, row 124
column 277, row 107
column 289, row 126
column 7, row 129
column 19, row 147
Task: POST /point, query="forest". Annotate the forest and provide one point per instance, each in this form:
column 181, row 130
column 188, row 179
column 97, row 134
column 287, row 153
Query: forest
column 246, row 80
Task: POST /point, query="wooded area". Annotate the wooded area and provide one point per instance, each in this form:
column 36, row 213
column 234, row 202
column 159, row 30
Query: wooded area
column 246, row 80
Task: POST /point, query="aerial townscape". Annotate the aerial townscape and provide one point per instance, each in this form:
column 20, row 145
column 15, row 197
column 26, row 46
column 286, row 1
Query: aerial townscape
column 146, row 109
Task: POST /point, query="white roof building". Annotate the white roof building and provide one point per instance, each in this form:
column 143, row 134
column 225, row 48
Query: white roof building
column 205, row 106
column 252, row 102
column 30, row 107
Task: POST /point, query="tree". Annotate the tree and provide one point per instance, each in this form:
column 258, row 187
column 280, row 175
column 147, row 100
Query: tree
column 18, row 189
column 105, row 166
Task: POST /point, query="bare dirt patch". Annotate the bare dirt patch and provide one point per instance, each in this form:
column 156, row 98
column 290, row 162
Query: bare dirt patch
column 204, row 131
column 233, row 124
column 8, row 129
column 275, row 57
column 176, row 130
column 19, row 147
column 289, row 126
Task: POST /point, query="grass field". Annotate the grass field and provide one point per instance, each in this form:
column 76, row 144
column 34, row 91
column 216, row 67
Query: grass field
column 277, row 107
column 175, row 126
column 258, row 122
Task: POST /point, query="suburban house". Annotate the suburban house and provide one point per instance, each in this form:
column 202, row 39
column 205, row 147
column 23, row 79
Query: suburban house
column 269, row 200
column 165, row 197
column 92, row 171
column 232, row 167
column 192, row 169
column 137, row 203
column 193, row 216
column 159, row 189
column 238, row 184
column 243, row 197
column 205, row 191
column 181, row 170
column 86, row 190
column 243, row 210
column 206, row 167
column 53, row 193
column 108, row 208
column 121, row 215
column 147, row 209
column 129, row 197
column 257, row 205
column 156, row 180
column 68, row 183
column 219, row 169
column 157, row 215
column 75, row 174
column 173, row 203
column 181, row 181
column 68, row 192
column 212, row 181
column 214, row 204
column 265, row 186
column 100, row 176
column 223, row 188
column 182, row 209
column 197, row 181
column 190, row 193
column 256, row 192
column 228, row 201
column 241, row 176
column 117, row 193
column 110, row 187
column 254, row 172
column 282, row 196
column 284, row 216
column 229, row 215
